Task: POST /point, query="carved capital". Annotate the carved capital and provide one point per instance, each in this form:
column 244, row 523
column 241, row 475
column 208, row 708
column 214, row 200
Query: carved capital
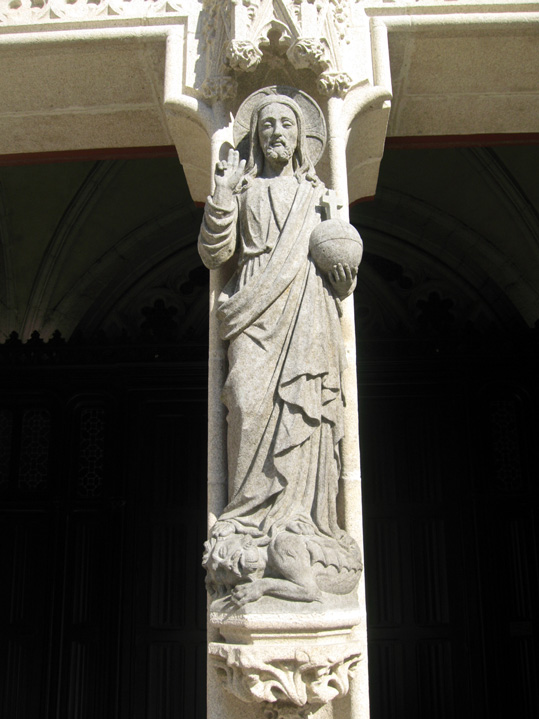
column 334, row 83
column 285, row 674
column 243, row 55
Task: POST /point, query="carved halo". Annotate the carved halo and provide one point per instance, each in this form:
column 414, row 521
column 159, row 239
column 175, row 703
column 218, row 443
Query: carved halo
column 315, row 125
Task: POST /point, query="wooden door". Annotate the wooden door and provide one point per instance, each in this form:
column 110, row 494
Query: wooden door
column 102, row 518
column 450, row 467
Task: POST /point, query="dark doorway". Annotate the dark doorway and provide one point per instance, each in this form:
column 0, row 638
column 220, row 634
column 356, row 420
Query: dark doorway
column 103, row 441
column 102, row 516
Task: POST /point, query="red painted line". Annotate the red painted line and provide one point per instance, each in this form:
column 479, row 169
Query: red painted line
column 113, row 153
column 449, row 141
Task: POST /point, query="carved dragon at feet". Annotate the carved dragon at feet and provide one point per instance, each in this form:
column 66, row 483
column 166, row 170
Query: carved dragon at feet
column 296, row 563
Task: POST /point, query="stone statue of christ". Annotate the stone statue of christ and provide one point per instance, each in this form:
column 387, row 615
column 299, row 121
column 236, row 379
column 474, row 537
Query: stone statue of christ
column 278, row 535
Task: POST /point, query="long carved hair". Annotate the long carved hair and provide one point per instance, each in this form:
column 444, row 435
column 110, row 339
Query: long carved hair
column 301, row 161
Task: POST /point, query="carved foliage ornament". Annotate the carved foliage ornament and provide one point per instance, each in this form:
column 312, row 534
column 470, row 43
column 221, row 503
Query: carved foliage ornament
column 25, row 12
column 243, row 55
column 309, row 32
column 296, row 677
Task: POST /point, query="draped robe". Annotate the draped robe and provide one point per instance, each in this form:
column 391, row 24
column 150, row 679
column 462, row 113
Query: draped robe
column 283, row 391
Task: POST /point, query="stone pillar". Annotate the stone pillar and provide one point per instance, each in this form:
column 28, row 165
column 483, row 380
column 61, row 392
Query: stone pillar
column 287, row 623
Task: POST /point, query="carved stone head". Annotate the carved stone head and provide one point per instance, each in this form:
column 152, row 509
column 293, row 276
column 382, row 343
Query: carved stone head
column 278, row 132
column 229, row 560
column 308, row 124
column 281, row 108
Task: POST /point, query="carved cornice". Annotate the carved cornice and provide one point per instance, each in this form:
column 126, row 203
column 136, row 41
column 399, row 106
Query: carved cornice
column 28, row 12
column 308, row 33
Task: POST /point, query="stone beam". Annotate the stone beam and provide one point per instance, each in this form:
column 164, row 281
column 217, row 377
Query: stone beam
column 82, row 75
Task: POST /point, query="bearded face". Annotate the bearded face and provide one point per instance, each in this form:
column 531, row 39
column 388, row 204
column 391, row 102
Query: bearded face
column 278, row 133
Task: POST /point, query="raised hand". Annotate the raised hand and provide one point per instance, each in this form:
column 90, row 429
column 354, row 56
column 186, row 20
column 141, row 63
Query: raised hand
column 228, row 173
column 343, row 279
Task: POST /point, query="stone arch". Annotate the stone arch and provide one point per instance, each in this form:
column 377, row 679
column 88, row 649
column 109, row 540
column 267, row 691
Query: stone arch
column 175, row 286
column 155, row 248
column 438, row 256
column 61, row 245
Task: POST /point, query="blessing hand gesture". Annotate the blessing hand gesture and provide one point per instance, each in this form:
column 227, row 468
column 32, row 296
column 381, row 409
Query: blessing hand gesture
column 228, row 173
